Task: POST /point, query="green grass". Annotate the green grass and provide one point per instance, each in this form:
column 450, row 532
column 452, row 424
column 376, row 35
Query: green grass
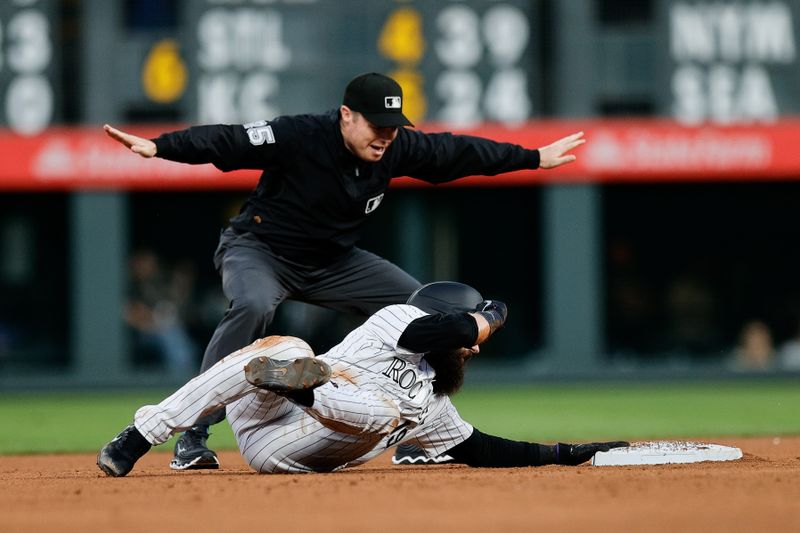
column 80, row 422
column 636, row 411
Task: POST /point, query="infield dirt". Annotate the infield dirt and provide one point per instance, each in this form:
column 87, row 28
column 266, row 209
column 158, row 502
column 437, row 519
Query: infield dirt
column 67, row 493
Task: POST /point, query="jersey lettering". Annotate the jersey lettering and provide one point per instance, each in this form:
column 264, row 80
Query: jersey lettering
column 406, row 378
column 373, row 203
column 259, row 132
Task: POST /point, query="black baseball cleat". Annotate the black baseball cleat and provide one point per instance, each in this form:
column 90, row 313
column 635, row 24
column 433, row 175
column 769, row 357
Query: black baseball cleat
column 303, row 373
column 191, row 452
column 118, row 456
column 408, row 454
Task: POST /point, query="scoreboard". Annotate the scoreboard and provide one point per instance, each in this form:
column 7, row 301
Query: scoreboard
column 28, row 65
column 728, row 61
column 462, row 63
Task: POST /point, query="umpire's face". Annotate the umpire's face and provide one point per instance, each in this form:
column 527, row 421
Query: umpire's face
column 362, row 138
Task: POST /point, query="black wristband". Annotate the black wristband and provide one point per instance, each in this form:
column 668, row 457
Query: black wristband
column 494, row 318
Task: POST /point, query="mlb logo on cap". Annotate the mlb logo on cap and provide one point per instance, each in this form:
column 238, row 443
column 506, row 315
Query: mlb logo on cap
column 393, row 102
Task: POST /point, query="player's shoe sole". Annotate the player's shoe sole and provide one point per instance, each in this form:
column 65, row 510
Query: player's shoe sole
column 422, row 460
column 411, row 454
column 303, row 373
column 202, row 462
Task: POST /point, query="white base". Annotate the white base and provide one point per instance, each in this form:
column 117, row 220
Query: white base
column 666, row 452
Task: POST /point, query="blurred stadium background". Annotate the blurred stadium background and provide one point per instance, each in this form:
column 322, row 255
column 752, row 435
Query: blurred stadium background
column 669, row 251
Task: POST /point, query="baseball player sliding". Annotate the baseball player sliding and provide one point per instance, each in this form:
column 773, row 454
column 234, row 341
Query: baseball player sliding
column 387, row 383
column 323, row 176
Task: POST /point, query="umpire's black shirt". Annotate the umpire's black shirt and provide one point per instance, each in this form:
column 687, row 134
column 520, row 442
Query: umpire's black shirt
column 314, row 194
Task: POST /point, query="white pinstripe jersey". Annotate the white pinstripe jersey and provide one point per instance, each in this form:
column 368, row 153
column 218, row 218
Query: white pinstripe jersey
column 379, row 395
column 371, row 357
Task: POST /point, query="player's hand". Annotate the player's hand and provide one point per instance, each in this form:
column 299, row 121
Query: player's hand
column 575, row 454
column 495, row 312
column 557, row 154
column 137, row 145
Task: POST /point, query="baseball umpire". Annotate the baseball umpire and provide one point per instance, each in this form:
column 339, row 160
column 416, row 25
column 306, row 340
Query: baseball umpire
column 388, row 382
column 323, row 174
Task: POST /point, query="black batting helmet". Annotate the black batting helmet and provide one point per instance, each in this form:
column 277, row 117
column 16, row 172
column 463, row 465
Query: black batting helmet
column 445, row 297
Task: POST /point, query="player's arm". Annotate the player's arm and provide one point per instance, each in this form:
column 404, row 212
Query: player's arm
column 450, row 331
column 484, row 450
column 443, row 157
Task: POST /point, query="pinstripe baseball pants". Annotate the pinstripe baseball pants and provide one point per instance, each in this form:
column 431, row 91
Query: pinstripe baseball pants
column 273, row 434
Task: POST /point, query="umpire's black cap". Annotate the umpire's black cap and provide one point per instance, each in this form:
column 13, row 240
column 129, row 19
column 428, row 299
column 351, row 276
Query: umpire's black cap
column 379, row 98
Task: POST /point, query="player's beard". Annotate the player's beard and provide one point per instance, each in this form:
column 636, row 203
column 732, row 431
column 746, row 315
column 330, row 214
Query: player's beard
column 449, row 368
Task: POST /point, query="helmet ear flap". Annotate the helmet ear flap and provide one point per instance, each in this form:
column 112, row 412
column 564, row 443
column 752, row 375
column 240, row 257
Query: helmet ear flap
column 445, row 297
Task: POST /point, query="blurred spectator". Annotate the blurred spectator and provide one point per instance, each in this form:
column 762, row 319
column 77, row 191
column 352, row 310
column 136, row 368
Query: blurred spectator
column 789, row 353
column 5, row 341
column 755, row 351
column 153, row 311
column 201, row 304
column 692, row 311
column 631, row 309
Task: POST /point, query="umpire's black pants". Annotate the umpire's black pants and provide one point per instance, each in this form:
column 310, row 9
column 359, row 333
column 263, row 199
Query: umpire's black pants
column 255, row 281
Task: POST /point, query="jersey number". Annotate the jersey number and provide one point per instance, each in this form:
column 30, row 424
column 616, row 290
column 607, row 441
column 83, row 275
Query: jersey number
column 259, row 133
column 397, row 435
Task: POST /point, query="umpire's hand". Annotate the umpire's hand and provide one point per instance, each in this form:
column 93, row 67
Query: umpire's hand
column 554, row 155
column 138, row 145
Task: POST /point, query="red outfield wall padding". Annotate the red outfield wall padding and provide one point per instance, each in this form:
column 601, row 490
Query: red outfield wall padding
column 617, row 151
